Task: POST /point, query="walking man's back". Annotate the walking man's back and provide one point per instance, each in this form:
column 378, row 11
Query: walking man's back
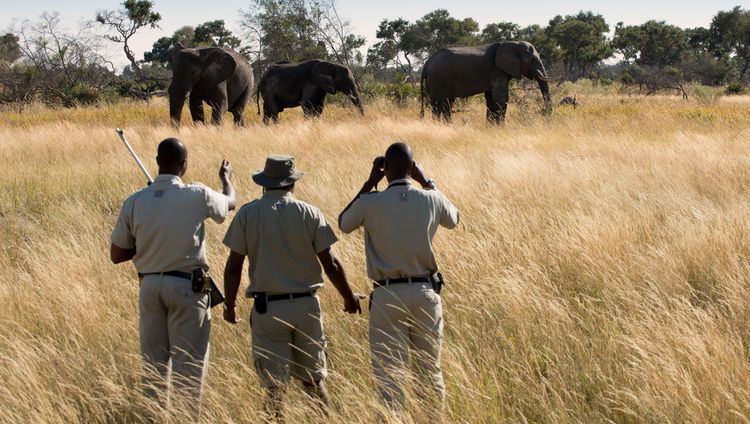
column 161, row 228
column 406, row 309
column 286, row 242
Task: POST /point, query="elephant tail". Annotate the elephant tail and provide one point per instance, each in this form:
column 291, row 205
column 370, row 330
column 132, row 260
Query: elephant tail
column 421, row 93
column 257, row 98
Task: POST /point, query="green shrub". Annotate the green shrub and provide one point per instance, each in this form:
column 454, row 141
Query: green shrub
column 79, row 94
column 735, row 88
column 705, row 94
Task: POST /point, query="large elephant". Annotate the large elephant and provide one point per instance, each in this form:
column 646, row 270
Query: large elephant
column 220, row 77
column 287, row 85
column 465, row 71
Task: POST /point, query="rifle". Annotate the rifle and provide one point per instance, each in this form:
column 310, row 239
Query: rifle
column 135, row 156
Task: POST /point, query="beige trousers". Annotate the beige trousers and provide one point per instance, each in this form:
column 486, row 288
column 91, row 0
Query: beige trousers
column 406, row 320
column 288, row 341
column 175, row 327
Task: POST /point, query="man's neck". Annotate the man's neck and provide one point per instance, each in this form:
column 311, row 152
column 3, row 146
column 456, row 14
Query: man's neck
column 169, row 172
column 396, row 178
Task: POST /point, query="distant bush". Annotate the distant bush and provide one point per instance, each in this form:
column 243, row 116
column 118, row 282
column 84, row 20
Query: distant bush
column 398, row 92
column 705, row 94
column 735, row 88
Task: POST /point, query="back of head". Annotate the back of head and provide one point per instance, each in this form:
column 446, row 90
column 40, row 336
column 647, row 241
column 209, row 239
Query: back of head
column 399, row 161
column 171, row 156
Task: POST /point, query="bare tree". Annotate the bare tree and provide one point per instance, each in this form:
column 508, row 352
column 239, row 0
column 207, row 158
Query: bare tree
column 55, row 63
column 296, row 30
column 336, row 33
column 126, row 22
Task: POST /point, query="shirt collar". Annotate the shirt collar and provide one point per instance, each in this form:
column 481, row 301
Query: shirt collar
column 277, row 193
column 402, row 181
column 168, row 178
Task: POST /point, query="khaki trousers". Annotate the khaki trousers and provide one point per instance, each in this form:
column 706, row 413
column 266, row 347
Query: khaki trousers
column 288, row 341
column 175, row 326
column 406, row 320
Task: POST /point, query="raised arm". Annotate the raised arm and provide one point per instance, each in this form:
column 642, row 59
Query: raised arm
column 376, row 174
column 227, row 188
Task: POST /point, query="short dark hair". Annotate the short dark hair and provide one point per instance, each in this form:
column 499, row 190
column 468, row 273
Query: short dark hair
column 399, row 158
column 171, row 152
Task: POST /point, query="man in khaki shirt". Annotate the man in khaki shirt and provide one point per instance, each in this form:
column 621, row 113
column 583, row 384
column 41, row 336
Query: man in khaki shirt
column 161, row 228
column 405, row 309
column 286, row 241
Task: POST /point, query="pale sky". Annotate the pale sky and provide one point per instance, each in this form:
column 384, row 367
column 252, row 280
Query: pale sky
column 365, row 16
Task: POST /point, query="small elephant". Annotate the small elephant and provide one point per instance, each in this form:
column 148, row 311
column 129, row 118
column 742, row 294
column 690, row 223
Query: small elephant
column 465, row 71
column 220, row 77
column 287, row 85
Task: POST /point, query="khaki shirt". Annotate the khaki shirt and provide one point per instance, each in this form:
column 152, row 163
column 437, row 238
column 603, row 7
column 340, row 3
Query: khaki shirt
column 400, row 223
column 281, row 236
column 164, row 222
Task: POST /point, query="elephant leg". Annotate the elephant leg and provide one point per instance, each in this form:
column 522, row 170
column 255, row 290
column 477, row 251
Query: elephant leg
column 435, row 105
column 441, row 108
column 196, row 109
column 445, row 107
column 270, row 111
column 312, row 101
column 500, row 95
column 239, row 119
column 316, row 107
column 493, row 108
column 238, row 108
column 218, row 110
column 312, row 108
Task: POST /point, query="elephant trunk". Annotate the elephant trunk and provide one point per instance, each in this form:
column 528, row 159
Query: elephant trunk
column 544, row 88
column 357, row 101
column 176, row 101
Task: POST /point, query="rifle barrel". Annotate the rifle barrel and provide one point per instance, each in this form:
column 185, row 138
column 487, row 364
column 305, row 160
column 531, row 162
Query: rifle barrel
column 135, row 156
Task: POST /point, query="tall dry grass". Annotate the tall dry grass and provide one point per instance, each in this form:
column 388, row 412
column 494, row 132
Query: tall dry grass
column 600, row 273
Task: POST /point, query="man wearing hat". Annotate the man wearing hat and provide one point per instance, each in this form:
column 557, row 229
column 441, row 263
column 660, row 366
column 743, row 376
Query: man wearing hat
column 161, row 228
column 286, row 241
column 406, row 318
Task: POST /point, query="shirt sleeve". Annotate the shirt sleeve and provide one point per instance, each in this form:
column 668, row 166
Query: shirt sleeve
column 448, row 212
column 323, row 236
column 236, row 238
column 353, row 217
column 122, row 234
column 217, row 205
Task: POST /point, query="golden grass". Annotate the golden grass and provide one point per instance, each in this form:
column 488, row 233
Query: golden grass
column 600, row 272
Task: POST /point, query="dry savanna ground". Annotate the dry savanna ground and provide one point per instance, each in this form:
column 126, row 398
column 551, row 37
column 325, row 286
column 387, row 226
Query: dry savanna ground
column 600, row 272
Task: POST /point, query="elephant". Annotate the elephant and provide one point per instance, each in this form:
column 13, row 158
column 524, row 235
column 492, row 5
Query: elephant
column 465, row 71
column 287, row 85
column 220, row 77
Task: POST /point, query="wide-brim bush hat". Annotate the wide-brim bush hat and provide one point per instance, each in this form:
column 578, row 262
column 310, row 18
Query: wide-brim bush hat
column 279, row 171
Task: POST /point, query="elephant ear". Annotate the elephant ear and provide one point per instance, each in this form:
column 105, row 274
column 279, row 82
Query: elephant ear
column 190, row 54
column 320, row 75
column 508, row 61
column 219, row 66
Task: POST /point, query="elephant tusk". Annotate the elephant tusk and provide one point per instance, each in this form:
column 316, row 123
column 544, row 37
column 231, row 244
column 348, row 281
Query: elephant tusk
column 543, row 78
